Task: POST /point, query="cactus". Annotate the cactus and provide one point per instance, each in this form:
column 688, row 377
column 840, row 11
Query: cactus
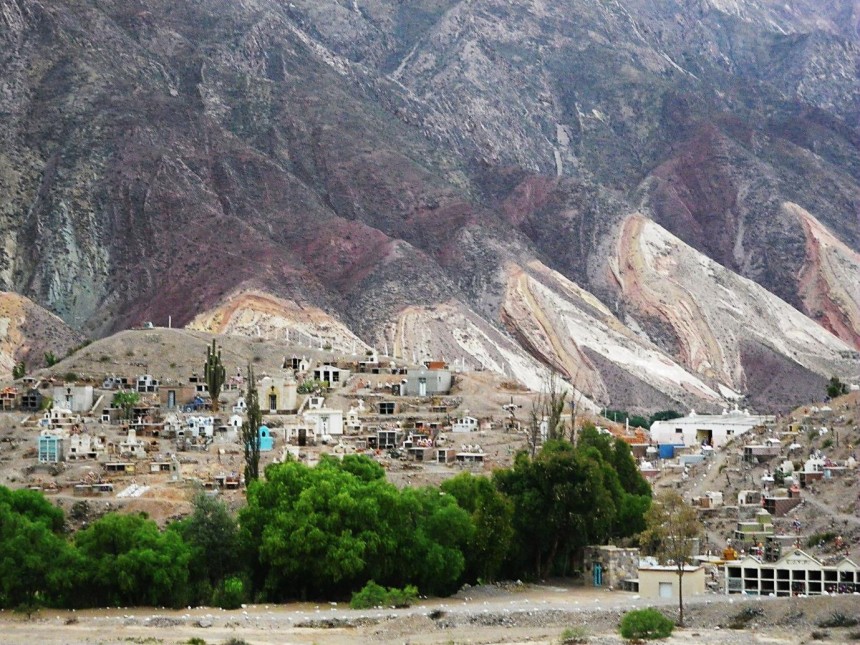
column 214, row 373
column 19, row 370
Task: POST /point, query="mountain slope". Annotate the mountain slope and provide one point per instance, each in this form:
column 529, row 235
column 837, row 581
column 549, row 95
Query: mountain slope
column 383, row 165
column 28, row 332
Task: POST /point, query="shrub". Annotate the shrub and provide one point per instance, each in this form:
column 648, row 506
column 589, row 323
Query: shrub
column 827, row 443
column 817, row 538
column 230, row 594
column 574, row 636
column 374, row 595
column 820, row 636
column 402, row 597
column 744, row 616
column 838, row 619
column 645, row 624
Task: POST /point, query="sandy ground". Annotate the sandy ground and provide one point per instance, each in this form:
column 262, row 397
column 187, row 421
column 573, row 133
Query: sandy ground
column 529, row 614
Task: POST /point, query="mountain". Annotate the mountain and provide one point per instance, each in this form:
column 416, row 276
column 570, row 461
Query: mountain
column 28, row 332
column 655, row 199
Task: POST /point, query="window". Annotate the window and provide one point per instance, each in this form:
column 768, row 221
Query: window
column 679, row 431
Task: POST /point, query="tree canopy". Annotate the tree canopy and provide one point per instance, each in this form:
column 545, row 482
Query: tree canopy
column 329, row 530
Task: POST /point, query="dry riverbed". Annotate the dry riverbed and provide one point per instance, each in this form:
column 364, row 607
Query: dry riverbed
column 513, row 614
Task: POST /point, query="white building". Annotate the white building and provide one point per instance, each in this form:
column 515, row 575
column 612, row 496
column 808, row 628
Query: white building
column 146, row 384
column 353, row 420
column 464, row 424
column 331, row 374
column 795, row 573
column 278, row 394
column 200, row 427
column 85, row 446
column 324, row 421
column 77, row 398
column 713, row 430
column 132, row 446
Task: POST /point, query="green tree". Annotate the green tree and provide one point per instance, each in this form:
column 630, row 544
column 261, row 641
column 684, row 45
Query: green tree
column 126, row 400
column 673, row 525
column 836, row 387
column 315, row 530
column 492, row 516
column 664, row 415
column 328, row 530
column 128, row 561
column 19, row 370
column 562, row 502
column 251, row 430
column 212, row 534
column 51, row 359
column 214, row 373
column 37, row 565
column 435, row 534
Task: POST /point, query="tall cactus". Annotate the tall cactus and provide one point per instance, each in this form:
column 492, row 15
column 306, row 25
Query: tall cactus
column 214, row 373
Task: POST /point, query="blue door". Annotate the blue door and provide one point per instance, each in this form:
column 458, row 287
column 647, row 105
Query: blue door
column 598, row 574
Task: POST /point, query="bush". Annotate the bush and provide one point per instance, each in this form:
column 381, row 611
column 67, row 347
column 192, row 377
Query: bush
column 817, row 538
column 574, row 636
column 742, row 619
column 645, row 624
column 838, row 619
column 230, row 594
column 374, row 595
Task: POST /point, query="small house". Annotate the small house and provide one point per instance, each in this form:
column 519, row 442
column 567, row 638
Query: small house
column 172, row 396
column 610, row 566
column 200, row 427
column 331, row 374
column 146, row 384
column 325, row 421
column 387, row 438
column 8, row 399
column 31, row 400
column 266, row 440
column 85, row 446
column 77, row 398
column 423, row 381
column 50, row 448
column 278, row 394
column 297, row 364
column 661, row 581
column 464, row 424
